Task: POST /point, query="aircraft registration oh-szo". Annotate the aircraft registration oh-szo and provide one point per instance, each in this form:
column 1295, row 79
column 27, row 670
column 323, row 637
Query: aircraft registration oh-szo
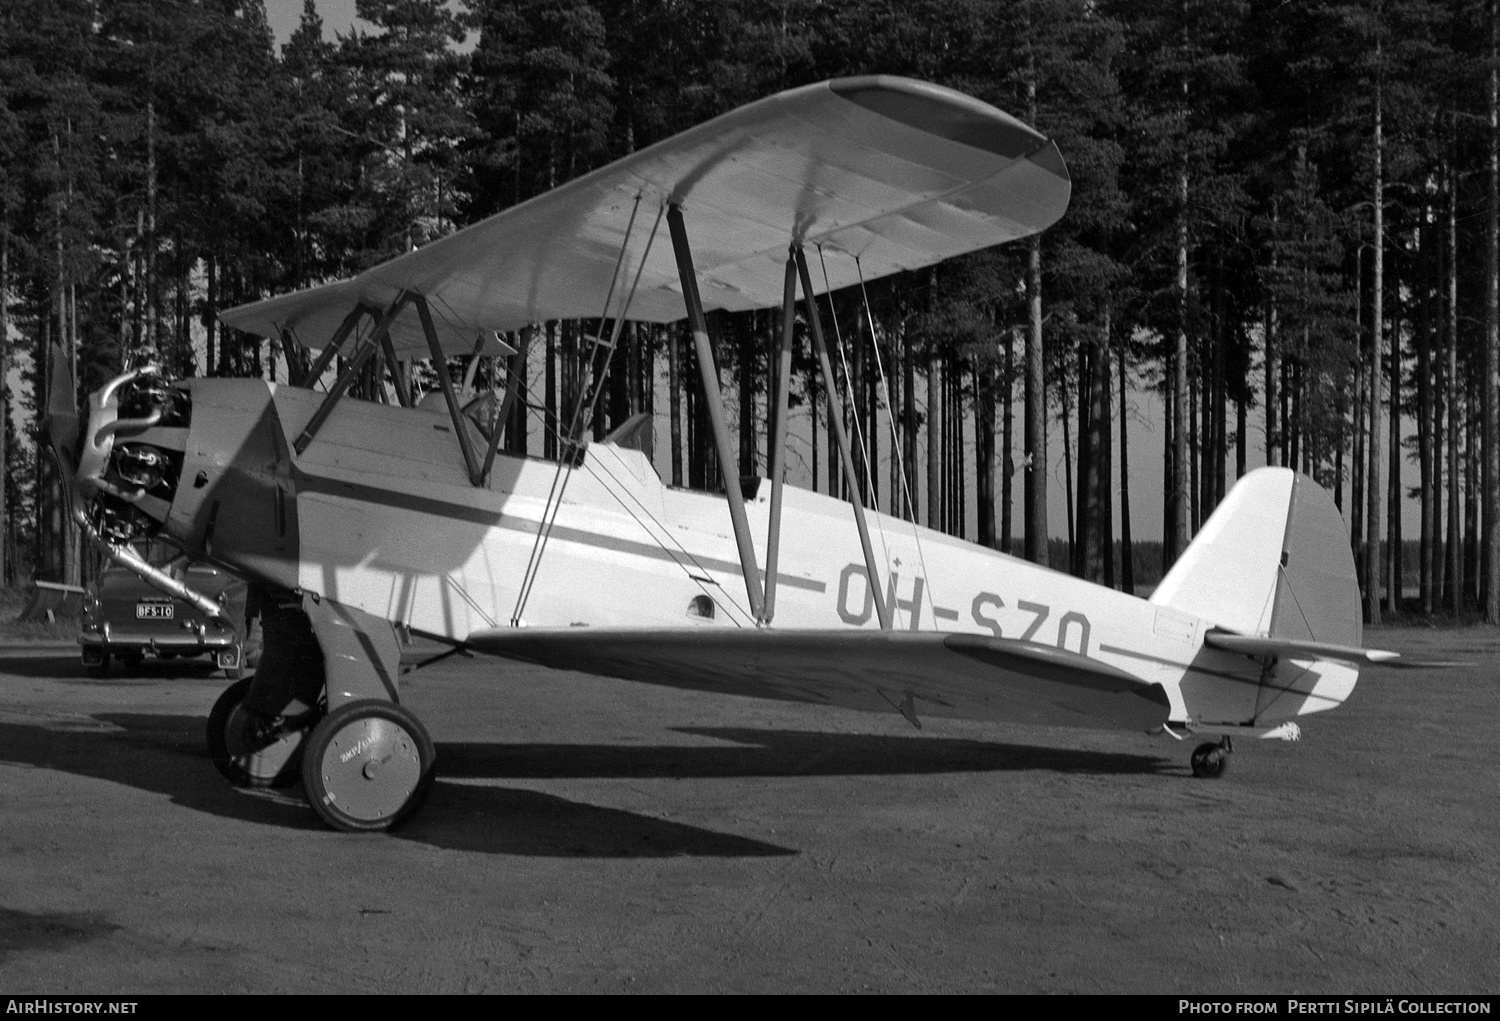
column 354, row 519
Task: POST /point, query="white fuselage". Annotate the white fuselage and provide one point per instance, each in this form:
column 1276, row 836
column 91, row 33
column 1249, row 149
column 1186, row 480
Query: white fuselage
column 390, row 524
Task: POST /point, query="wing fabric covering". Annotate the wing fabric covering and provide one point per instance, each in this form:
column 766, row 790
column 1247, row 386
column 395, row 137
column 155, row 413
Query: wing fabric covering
column 900, row 173
column 953, row 675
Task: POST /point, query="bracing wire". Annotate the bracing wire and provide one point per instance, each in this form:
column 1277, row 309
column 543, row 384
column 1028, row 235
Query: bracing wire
column 589, row 397
column 885, row 385
column 859, row 432
column 533, row 561
column 661, row 535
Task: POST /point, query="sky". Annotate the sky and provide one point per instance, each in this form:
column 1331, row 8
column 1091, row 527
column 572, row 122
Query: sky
column 338, row 15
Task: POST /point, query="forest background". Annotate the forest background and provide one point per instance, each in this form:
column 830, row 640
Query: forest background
column 1283, row 229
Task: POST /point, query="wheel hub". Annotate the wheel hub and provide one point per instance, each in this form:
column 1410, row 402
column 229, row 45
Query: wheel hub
column 370, row 768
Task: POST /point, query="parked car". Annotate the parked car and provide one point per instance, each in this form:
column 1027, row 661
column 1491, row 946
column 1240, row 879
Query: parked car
column 127, row 619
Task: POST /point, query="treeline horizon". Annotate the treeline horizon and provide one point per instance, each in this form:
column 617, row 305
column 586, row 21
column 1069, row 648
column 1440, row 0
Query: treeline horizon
column 1285, row 221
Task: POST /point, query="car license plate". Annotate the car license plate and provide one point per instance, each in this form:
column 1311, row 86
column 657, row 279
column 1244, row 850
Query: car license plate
column 153, row 611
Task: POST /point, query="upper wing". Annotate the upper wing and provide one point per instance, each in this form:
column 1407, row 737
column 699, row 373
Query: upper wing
column 898, row 172
column 916, row 672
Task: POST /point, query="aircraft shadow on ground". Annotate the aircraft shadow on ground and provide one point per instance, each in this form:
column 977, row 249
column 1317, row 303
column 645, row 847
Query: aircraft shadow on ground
column 496, row 820
column 759, row 752
column 166, row 755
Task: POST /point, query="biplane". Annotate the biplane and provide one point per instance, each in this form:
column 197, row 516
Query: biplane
column 356, row 520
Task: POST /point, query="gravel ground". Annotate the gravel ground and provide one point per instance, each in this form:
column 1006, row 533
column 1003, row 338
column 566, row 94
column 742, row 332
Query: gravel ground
column 597, row 835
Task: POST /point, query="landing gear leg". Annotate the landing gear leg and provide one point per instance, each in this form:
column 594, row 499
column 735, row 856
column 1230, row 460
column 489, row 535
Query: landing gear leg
column 1210, row 759
column 369, row 764
column 258, row 727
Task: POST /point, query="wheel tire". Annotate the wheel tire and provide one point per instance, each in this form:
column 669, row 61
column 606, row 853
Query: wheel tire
column 99, row 669
column 1210, row 760
column 133, row 662
column 368, row 766
column 244, row 756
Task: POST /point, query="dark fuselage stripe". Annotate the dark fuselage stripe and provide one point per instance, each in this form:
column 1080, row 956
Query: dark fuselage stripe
column 307, row 483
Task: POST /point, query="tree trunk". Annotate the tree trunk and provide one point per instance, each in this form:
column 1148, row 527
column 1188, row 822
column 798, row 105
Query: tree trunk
column 909, row 424
column 1357, row 457
column 150, row 302
column 812, row 417
column 1393, row 545
column 1008, row 462
column 674, row 390
column 1098, row 558
column 1036, row 536
column 743, row 331
column 984, row 452
column 210, row 317
column 1273, row 357
column 5, row 522
column 1170, row 508
column 934, row 443
column 1374, row 375
column 1454, row 575
column 1423, row 340
column 1179, row 483
column 549, row 394
column 1491, row 384
column 1471, row 497
column 1127, row 548
column 1067, row 414
column 1193, row 446
column 1083, row 515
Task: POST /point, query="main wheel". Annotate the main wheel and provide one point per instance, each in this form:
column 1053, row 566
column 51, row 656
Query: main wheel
column 249, row 749
column 368, row 766
column 1210, row 760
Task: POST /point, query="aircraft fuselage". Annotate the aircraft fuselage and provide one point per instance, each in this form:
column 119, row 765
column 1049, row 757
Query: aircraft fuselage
column 378, row 514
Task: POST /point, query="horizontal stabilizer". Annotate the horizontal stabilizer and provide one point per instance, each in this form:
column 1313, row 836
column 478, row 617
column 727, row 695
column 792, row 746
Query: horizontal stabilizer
column 1292, row 648
column 953, row 675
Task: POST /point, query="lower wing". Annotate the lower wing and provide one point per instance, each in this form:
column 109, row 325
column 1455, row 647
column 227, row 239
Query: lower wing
column 915, row 673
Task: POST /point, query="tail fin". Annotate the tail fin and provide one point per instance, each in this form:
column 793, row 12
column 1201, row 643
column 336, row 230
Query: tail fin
column 1273, row 560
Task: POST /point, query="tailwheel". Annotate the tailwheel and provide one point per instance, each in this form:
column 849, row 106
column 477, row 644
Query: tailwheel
column 368, row 766
column 1210, row 759
column 250, row 749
